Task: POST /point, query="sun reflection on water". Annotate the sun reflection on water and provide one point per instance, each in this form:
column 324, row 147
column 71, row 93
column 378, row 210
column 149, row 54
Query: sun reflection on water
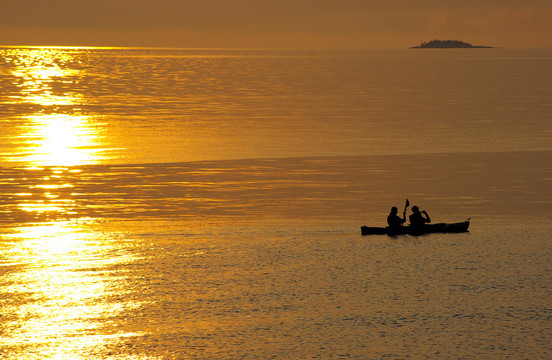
column 52, row 134
column 60, row 139
column 59, row 283
column 39, row 71
column 55, row 131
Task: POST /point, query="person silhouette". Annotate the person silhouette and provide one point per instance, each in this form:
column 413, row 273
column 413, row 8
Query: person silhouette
column 418, row 219
column 395, row 221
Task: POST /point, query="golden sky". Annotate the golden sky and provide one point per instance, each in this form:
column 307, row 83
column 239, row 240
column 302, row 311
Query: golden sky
column 288, row 24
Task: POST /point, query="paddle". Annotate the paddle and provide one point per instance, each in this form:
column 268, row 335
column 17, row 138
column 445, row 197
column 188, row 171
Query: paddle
column 405, row 207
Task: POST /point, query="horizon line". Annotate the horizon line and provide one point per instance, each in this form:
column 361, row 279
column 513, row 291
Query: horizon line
column 104, row 47
column 86, row 47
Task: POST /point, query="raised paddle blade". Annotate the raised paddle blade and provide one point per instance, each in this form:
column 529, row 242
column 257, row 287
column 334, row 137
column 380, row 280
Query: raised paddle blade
column 406, row 207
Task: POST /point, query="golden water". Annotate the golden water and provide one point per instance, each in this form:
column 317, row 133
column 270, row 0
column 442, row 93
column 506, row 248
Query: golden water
column 160, row 204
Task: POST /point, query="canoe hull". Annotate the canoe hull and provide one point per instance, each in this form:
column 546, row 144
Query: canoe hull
column 427, row 229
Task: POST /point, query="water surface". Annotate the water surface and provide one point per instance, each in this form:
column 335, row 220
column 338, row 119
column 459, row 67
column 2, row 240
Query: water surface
column 174, row 204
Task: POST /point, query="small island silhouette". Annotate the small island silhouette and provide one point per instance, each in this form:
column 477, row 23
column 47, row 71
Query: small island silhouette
column 443, row 44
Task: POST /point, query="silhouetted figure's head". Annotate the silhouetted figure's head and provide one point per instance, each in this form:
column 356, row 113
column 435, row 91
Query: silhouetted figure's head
column 415, row 209
column 394, row 210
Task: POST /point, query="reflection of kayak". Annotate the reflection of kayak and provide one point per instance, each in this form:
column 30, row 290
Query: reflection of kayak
column 428, row 228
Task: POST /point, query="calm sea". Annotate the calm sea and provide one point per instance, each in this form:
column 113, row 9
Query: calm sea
column 207, row 204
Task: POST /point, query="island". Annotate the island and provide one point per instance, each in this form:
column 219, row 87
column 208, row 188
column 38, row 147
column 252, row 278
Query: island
column 447, row 44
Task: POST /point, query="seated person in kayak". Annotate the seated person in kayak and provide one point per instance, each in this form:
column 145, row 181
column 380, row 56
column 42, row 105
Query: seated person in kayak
column 394, row 220
column 418, row 219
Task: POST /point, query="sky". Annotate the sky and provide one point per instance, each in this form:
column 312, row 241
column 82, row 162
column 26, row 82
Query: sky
column 275, row 24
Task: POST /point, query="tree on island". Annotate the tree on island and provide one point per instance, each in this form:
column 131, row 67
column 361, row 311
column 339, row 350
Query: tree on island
column 447, row 44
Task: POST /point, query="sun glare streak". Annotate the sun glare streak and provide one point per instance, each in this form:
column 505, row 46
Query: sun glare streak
column 56, row 134
column 37, row 71
column 59, row 274
column 62, row 140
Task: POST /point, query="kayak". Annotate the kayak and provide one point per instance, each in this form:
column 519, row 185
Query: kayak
column 427, row 229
